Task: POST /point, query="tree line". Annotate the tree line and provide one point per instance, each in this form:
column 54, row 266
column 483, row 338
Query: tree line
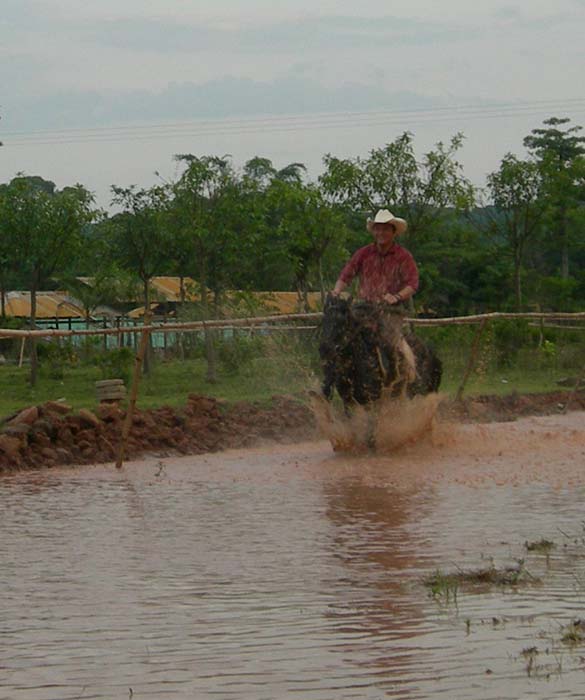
column 516, row 243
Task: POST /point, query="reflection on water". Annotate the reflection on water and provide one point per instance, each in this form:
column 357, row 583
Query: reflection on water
column 281, row 572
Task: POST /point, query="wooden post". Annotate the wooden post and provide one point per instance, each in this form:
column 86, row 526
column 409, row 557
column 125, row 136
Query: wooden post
column 471, row 361
column 144, row 338
column 21, row 357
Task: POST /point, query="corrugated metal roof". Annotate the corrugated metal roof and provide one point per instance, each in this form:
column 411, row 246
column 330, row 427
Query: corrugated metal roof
column 287, row 302
column 168, row 289
column 271, row 302
column 165, row 287
column 139, row 312
column 49, row 305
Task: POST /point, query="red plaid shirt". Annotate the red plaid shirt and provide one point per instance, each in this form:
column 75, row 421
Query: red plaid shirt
column 379, row 273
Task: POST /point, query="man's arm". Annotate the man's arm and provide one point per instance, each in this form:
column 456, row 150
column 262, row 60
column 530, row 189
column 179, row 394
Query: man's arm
column 349, row 271
column 409, row 275
column 340, row 285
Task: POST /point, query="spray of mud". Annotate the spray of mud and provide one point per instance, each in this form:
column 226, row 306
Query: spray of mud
column 388, row 424
column 409, row 444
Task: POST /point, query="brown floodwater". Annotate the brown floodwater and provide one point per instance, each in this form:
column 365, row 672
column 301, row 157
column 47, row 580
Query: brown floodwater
column 296, row 571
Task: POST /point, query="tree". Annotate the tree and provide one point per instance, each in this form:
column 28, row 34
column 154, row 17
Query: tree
column 516, row 218
column 392, row 177
column 559, row 152
column 107, row 286
column 139, row 238
column 428, row 192
column 207, row 215
column 291, row 173
column 43, row 226
column 306, row 225
column 259, row 171
column 8, row 260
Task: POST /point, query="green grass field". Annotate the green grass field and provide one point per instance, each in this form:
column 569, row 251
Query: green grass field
column 275, row 370
column 168, row 384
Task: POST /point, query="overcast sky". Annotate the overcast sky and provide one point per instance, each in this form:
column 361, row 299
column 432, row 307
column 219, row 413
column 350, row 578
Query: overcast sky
column 107, row 83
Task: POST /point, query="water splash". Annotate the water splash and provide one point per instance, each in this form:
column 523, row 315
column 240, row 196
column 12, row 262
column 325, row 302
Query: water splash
column 385, row 426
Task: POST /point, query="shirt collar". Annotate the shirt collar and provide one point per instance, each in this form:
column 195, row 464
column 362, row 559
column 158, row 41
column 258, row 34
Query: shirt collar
column 391, row 251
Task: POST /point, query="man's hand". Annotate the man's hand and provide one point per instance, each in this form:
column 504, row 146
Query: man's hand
column 391, row 298
column 339, row 287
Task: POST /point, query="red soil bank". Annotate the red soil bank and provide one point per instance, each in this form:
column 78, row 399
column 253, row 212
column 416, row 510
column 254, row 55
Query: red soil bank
column 51, row 434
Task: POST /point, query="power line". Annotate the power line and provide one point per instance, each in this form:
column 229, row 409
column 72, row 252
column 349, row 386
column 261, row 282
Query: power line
column 561, row 102
column 288, row 123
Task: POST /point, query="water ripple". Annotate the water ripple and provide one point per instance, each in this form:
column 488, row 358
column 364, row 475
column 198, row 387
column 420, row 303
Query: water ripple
column 266, row 574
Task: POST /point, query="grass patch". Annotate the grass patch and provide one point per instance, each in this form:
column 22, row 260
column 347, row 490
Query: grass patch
column 442, row 586
column 259, row 378
column 446, row 585
column 541, row 546
column 573, row 633
column 252, row 371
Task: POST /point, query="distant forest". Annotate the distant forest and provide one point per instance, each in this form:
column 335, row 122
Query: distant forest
column 517, row 244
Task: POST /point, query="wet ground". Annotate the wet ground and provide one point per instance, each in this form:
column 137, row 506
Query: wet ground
column 294, row 571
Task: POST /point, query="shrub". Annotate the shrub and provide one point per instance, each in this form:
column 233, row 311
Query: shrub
column 57, row 356
column 235, row 352
column 116, row 363
column 509, row 336
column 11, row 346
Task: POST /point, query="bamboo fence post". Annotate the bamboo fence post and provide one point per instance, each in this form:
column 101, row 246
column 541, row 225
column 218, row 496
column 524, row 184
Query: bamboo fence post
column 144, row 338
column 21, row 356
column 472, row 358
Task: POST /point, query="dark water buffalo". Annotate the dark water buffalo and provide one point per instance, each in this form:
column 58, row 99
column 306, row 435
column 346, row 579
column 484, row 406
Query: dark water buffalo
column 359, row 366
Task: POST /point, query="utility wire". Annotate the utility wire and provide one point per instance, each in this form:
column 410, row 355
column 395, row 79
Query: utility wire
column 293, row 123
column 566, row 102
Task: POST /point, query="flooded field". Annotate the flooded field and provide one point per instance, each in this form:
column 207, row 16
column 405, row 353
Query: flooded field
column 294, row 571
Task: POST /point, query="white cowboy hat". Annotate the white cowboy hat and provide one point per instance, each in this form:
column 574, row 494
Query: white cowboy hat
column 386, row 217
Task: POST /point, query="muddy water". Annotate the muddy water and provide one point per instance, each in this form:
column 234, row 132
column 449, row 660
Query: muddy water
column 296, row 572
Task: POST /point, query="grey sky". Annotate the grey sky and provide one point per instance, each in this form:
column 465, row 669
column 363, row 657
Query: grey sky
column 66, row 65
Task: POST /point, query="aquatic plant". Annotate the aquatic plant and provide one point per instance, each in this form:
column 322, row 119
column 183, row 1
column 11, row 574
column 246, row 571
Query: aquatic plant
column 542, row 546
column 574, row 633
column 444, row 584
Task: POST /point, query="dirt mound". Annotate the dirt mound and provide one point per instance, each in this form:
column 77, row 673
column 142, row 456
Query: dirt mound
column 52, row 434
column 490, row 408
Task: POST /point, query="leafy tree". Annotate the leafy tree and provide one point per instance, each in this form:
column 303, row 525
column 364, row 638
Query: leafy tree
column 269, row 194
column 392, row 177
column 137, row 235
column 202, row 213
column 427, row 192
column 458, row 273
column 207, row 212
column 139, row 238
column 306, row 225
column 516, row 217
column 108, row 286
column 7, row 261
column 291, row 173
column 259, row 171
column 43, row 226
column 559, row 152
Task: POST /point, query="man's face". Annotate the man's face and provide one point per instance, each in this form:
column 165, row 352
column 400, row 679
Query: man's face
column 384, row 234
